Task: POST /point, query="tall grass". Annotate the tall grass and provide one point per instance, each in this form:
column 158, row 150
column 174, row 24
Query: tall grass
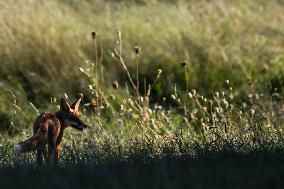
column 44, row 42
column 125, row 125
column 177, row 90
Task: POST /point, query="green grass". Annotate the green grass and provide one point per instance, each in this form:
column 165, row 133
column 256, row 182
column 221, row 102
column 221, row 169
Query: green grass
column 208, row 111
column 132, row 143
column 221, row 40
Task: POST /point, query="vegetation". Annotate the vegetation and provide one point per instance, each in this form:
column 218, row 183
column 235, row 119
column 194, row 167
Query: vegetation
column 181, row 92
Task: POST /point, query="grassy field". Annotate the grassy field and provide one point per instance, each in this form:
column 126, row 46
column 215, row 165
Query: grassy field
column 176, row 94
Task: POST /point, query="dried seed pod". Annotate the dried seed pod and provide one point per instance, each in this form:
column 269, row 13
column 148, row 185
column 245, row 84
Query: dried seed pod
column 137, row 50
column 94, row 35
column 189, row 94
column 183, row 64
column 210, row 103
column 227, row 82
column 112, row 97
column 115, row 85
column 193, row 92
column 173, row 96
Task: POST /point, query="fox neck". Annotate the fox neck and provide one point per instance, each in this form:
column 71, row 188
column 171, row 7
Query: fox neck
column 61, row 119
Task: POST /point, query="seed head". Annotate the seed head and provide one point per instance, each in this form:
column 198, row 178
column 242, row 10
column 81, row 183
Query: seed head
column 183, row 64
column 119, row 122
column 204, row 109
column 81, row 69
column 112, row 97
column 66, row 96
column 119, row 34
column 192, row 116
column 115, row 85
column 231, row 107
column 227, row 81
column 105, row 104
column 217, row 94
column 252, row 111
column 81, row 95
column 173, row 96
column 225, row 103
column 210, row 103
column 130, row 101
column 193, row 92
column 157, row 107
column 256, row 95
column 137, row 50
column 90, row 87
column 250, row 96
column 94, row 35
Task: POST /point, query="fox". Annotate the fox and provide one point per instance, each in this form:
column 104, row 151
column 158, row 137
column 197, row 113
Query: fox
column 48, row 131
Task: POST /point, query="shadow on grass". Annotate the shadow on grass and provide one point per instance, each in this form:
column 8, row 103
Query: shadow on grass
column 258, row 169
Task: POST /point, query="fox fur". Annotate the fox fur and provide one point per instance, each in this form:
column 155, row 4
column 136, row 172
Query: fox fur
column 48, row 131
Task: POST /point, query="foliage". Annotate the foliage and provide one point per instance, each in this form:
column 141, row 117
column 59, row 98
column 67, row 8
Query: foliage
column 164, row 94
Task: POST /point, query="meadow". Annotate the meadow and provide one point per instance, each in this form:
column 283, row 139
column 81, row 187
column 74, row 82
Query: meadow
column 176, row 93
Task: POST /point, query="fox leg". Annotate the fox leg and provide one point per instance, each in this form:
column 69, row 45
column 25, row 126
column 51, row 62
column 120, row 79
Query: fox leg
column 41, row 154
column 58, row 146
column 45, row 153
column 51, row 140
column 39, row 159
column 57, row 153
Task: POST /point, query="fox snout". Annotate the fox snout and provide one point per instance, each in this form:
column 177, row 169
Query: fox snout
column 81, row 127
column 77, row 125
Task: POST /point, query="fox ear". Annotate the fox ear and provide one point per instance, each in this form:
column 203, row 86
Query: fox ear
column 76, row 104
column 64, row 106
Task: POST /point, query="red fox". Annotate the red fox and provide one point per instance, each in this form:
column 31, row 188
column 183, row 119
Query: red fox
column 48, row 130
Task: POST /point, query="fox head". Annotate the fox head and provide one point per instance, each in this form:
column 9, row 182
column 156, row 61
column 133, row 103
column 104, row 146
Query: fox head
column 70, row 114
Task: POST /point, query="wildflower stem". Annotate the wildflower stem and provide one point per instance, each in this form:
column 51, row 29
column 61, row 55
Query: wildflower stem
column 96, row 61
column 137, row 75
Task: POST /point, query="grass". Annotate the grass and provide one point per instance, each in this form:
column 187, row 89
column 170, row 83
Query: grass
column 187, row 135
column 231, row 38
column 139, row 165
column 198, row 103
column 221, row 170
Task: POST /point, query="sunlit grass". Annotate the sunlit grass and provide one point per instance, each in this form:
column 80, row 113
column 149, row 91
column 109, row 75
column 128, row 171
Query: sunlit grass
column 123, row 124
column 221, row 40
column 178, row 90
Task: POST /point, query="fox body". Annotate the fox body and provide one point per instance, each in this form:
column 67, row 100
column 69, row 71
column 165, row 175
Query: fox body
column 48, row 132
